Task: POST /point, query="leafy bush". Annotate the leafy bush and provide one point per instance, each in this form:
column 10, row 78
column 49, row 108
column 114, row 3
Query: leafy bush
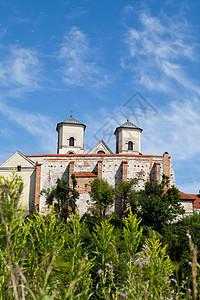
column 45, row 257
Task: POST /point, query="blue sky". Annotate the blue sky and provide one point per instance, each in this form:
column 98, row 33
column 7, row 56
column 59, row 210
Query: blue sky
column 104, row 61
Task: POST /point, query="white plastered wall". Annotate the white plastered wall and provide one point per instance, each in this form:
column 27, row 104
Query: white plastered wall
column 124, row 136
column 65, row 132
column 27, row 174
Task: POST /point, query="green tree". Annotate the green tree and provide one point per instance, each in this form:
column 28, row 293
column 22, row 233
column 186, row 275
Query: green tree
column 158, row 206
column 74, row 194
column 102, row 196
column 128, row 195
column 179, row 248
column 63, row 197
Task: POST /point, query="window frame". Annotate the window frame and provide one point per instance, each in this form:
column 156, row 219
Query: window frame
column 71, row 141
column 19, row 168
column 130, row 146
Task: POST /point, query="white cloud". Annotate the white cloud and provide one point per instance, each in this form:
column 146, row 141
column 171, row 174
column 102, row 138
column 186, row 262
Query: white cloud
column 175, row 129
column 80, row 61
column 154, row 83
column 157, row 51
column 20, row 68
column 175, row 71
column 152, row 24
column 36, row 125
column 161, row 56
column 25, row 67
column 76, row 12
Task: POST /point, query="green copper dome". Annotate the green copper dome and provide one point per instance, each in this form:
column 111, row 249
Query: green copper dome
column 128, row 125
column 71, row 121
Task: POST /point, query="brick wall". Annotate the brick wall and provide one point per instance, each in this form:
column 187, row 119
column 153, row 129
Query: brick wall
column 113, row 168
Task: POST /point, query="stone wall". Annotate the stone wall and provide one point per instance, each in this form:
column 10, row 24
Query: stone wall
column 188, row 206
column 112, row 167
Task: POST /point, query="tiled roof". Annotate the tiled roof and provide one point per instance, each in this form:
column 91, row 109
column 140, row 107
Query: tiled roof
column 93, row 155
column 85, row 174
column 196, row 201
column 186, row 196
column 183, row 196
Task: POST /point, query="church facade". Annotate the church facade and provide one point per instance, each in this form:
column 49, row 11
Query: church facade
column 41, row 171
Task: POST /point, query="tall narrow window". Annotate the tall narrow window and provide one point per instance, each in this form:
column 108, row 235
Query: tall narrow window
column 71, row 141
column 130, row 145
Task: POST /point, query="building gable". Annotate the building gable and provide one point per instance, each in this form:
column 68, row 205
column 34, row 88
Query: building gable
column 26, row 168
column 100, row 147
column 17, row 159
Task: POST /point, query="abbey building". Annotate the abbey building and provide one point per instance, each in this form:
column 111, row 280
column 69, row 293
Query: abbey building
column 42, row 171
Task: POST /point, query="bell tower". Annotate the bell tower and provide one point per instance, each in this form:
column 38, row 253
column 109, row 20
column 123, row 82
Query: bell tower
column 128, row 138
column 70, row 136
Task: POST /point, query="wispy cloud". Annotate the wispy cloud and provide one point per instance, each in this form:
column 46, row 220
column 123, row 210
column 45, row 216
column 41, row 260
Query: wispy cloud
column 157, row 51
column 36, row 125
column 20, row 68
column 25, row 67
column 77, row 12
column 80, row 61
column 161, row 54
column 175, row 129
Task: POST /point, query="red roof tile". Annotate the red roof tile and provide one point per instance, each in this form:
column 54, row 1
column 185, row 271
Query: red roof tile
column 183, row 196
column 94, row 155
column 85, row 174
column 186, row 196
column 196, row 201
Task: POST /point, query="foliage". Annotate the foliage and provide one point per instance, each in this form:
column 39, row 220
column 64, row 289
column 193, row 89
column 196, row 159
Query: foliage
column 132, row 233
column 128, row 195
column 13, row 235
column 74, row 194
column 157, row 268
column 44, row 257
column 158, row 207
column 102, row 196
column 104, row 241
column 179, row 248
column 45, row 236
column 63, row 197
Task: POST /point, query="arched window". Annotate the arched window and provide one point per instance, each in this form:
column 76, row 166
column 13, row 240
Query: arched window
column 71, row 141
column 100, row 152
column 130, row 145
